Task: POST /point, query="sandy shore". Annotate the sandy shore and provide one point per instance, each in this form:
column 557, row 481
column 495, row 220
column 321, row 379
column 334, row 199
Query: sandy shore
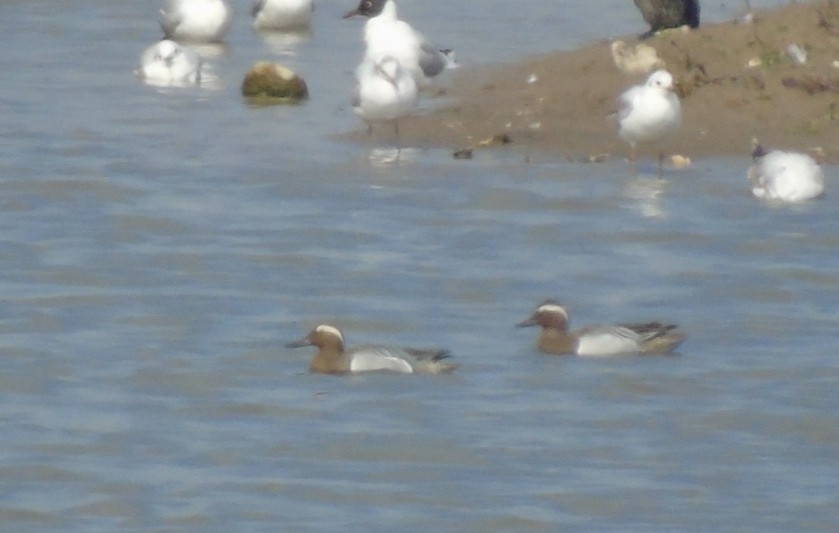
column 737, row 81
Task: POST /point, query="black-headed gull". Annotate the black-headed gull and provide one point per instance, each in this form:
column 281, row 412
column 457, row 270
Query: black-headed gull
column 663, row 14
column 283, row 15
column 785, row 176
column 386, row 34
column 166, row 63
column 199, row 21
column 649, row 112
column 385, row 91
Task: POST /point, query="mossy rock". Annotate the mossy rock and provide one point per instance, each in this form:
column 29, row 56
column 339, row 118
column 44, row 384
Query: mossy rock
column 271, row 83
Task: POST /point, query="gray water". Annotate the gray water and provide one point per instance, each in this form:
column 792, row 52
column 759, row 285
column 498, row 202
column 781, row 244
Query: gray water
column 160, row 246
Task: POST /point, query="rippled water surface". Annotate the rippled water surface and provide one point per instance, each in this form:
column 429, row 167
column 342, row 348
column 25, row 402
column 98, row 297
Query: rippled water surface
column 159, row 246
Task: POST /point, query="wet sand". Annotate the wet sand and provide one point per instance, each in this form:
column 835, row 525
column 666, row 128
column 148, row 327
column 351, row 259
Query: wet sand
column 737, row 81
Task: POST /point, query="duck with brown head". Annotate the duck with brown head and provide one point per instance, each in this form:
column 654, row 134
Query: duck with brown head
column 604, row 340
column 334, row 358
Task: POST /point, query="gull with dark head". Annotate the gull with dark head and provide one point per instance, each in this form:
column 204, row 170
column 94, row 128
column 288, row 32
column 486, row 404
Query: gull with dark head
column 649, row 112
column 385, row 33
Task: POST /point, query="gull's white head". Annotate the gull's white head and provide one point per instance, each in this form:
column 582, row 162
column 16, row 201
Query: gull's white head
column 661, row 79
column 167, row 51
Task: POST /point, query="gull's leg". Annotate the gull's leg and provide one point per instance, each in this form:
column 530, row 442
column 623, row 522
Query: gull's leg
column 660, row 164
column 633, row 158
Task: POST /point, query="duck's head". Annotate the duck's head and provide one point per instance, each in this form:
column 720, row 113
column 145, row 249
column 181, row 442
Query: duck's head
column 549, row 314
column 322, row 336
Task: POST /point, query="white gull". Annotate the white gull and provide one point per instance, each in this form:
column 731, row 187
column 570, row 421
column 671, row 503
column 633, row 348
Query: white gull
column 649, row 112
column 385, row 33
column 785, row 176
column 385, row 91
column 200, row 21
column 166, row 63
column 283, row 15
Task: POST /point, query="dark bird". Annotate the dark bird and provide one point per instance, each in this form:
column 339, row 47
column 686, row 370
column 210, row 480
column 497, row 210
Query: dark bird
column 663, row 14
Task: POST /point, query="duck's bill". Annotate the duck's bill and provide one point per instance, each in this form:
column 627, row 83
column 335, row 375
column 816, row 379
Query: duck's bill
column 298, row 344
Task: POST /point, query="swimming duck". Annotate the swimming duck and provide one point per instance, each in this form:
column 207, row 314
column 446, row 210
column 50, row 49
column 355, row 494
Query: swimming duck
column 333, row 358
column 650, row 337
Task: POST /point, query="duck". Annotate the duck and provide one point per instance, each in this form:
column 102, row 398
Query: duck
column 385, row 92
column 599, row 340
column 198, row 21
column 282, row 15
column 649, row 113
column 334, row 358
column 785, row 176
column 663, row 14
column 385, row 33
column 166, row 63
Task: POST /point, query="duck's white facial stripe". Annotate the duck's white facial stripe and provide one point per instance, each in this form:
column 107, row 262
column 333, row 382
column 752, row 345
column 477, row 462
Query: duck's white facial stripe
column 553, row 308
column 330, row 330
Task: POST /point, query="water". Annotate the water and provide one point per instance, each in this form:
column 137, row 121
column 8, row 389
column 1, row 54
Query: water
column 159, row 247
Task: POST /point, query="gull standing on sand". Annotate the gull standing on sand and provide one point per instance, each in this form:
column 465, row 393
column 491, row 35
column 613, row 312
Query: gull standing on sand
column 649, row 112
column 384, row 34
column 663, row 14
column 385, row 92
column 283, row 15
column 785, row 176
column 166, row 63
column 200, row 21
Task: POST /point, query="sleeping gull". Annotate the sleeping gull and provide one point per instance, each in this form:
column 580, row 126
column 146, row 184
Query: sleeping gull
column 385, row 92
column 785, row 176
column 649, row 112
column 384, row 34
column 166, row 63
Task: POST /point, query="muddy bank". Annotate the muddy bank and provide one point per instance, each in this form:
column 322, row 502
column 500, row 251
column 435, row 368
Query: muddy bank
column 738, row 81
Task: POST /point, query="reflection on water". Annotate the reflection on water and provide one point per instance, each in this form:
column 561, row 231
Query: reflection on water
column 646, row 194
column 284, row 43
column 381, row 157
column 160, row 246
